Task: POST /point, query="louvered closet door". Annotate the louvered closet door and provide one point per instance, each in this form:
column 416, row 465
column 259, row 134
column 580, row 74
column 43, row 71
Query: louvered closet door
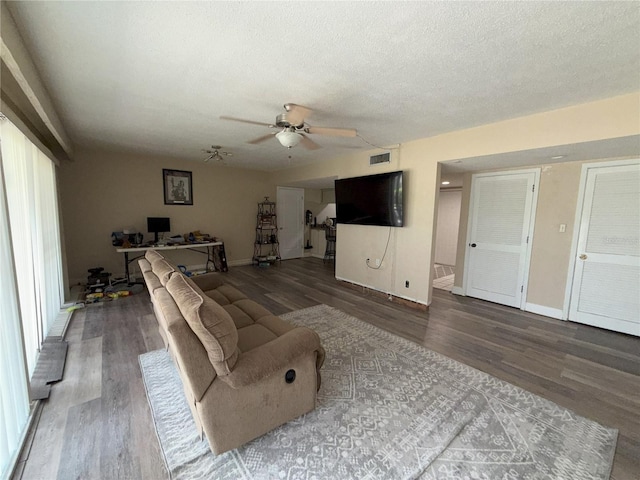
column 500, row 220
column 606, row 282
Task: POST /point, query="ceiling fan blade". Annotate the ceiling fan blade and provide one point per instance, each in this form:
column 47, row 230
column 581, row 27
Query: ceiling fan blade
column 296, row 113
column 261, row 139
column 336, row 132
column 309, row 144
column 242, row 120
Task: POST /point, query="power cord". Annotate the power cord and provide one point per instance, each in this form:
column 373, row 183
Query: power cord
column 377, row 146
column 383, row 255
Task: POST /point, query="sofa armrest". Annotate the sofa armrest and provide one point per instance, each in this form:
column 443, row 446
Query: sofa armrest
column 208, row 281
column 266, row 359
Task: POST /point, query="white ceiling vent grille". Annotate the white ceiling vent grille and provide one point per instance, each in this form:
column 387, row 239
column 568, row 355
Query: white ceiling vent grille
column 378, row 159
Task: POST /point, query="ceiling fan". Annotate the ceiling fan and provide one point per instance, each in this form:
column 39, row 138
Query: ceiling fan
column 293, row 129
column 216, row 155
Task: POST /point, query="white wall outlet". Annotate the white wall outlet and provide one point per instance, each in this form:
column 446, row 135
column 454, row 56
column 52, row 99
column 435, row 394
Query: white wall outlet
column 377, row 262
column 563, row 227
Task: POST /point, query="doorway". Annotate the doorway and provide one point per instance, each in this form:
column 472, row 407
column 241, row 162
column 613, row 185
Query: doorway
column 605, row 279
column 500, row 228
column 446, row 238
column 290, row 211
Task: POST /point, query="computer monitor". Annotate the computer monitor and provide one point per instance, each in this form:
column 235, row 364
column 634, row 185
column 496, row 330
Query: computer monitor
column 157, row 225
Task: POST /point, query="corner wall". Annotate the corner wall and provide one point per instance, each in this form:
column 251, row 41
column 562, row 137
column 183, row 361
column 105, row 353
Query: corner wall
column 105, row 192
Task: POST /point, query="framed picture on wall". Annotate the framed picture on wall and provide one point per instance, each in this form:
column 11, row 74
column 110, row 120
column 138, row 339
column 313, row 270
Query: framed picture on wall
column 178, row 189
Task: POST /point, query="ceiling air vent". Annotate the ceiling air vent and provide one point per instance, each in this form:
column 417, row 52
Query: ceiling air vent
column 382, row 158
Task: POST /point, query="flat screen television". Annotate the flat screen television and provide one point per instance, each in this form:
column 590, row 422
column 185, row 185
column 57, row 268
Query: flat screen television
column 370, row 200
column 158, row 225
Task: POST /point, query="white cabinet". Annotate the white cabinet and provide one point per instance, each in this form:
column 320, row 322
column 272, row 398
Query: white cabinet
column 318, row 241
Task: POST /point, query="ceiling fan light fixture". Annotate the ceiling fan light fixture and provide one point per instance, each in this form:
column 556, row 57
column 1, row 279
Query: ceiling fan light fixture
column 288, row 138
column 215, row 154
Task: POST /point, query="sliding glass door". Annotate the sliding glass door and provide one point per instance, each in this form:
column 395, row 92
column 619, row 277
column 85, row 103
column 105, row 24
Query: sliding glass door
column 31, row 280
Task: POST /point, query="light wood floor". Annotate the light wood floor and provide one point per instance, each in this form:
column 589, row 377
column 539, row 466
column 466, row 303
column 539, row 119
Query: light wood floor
column 97, row 423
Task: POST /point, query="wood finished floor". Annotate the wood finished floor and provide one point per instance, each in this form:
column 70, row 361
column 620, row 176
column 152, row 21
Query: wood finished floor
column 97, row 423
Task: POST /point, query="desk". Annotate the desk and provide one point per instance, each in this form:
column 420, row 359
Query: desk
column 211, row 250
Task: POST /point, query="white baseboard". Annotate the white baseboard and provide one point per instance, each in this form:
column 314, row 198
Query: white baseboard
column 544, row 311
column 457, row 291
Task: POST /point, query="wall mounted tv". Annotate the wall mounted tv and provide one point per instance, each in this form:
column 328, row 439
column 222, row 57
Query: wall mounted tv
column 370, row 200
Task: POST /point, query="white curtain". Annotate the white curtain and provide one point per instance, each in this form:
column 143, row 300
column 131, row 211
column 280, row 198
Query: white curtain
column 19, row 183
column 31, row 288
column 49, row 246
column 14, row 395
column 33, row 216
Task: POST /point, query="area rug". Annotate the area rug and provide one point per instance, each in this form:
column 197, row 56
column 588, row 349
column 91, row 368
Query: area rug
column 389, row 409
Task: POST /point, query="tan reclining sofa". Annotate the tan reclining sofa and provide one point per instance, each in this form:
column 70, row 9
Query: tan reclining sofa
column 244, row 371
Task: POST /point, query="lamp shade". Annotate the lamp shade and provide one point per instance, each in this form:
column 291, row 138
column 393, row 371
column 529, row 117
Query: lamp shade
column 288, row 138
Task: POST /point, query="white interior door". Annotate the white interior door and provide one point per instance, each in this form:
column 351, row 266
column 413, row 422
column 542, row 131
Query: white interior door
column 606, row 278
column 500, row 225
column 290, row 210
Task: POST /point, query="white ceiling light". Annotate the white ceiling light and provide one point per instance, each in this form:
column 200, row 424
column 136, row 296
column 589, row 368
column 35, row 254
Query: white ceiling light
column 289, row 138
column 446, row 183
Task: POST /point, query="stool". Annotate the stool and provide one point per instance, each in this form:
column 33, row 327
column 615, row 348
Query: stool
column 330, row 250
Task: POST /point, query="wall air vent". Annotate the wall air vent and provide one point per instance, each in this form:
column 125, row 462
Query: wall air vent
column 378, row 159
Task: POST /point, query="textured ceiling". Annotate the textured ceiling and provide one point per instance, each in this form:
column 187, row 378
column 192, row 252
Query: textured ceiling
column 154, row 77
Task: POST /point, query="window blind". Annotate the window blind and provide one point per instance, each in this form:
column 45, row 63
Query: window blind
column 31, row 288
column 14, row 396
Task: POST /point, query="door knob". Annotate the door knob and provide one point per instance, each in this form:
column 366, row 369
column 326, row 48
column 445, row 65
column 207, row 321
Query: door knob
column 582, row 257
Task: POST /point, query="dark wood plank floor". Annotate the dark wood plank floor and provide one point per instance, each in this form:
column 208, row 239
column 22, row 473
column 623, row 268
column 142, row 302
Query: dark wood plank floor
column 97, row 423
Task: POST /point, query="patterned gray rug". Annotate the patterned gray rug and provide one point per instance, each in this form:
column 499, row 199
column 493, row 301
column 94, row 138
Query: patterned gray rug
column 389, row 409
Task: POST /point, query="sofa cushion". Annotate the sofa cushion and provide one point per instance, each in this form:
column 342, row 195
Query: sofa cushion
column 245, row 312
column 187, row 349
column 253, row 336
column 252, row 309
column 276, row 324
column 226, row 294
column 240, row 318
column 145, row 265
column 152, row 256
column 208, row 281
column 152, row 281
column 209, row 321
column 163, row 270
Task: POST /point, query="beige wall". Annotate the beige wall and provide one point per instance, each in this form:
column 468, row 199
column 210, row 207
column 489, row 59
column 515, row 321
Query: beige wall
column 551, row 250
column 104, row 192
column 408, row 254
column 410, row 249
column 447, row 231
